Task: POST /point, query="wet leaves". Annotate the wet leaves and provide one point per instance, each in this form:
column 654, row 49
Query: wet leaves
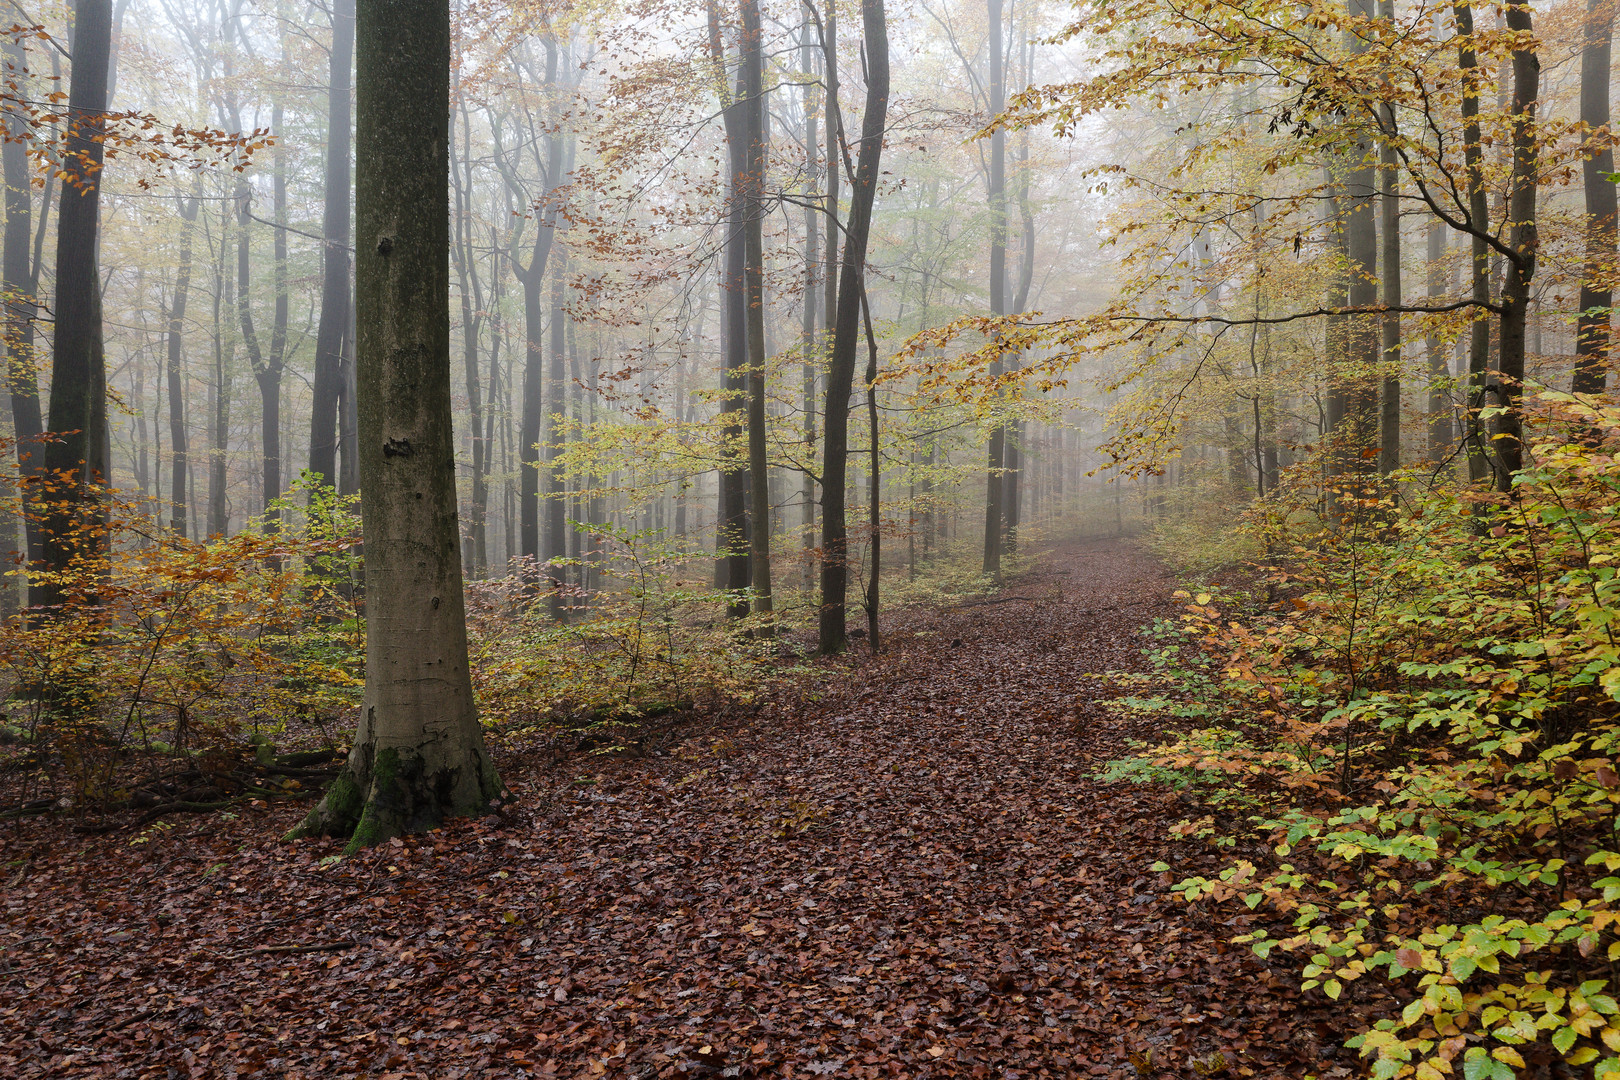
column 915, row 875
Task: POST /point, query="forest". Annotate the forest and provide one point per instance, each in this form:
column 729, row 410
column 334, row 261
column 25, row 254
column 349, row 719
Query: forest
column 873, row 538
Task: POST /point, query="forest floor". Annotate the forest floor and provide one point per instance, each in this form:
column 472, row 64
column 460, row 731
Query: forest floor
column 907, row 867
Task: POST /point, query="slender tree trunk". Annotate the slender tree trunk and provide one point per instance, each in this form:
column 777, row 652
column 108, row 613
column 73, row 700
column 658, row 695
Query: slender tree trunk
column 1389, row 421
column 472, row 318
column 812, row 242
column 334, row 320
column 22, row 307
column 1592, row 328
column 76, row 458
column 1524, row 239
column 754, row 210
column 1439, row 400
column 1479, row 338
column 994, row 510
column 732, row 538
column 846, row 332
column 556, row 404
column 418, row 755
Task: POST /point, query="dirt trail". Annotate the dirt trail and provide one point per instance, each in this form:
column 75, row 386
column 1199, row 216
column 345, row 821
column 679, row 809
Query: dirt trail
column 916, row 875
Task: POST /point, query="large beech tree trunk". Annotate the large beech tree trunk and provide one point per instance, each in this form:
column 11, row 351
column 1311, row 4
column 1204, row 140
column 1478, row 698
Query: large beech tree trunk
column 846, row 333
column 76, row 457
column 418, row 755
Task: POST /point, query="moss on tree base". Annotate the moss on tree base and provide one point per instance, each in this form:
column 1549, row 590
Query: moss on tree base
column 394, row 791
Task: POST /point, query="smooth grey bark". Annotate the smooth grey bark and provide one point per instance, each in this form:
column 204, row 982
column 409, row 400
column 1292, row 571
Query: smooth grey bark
column 555, row 544
column 732, row 532
column 1592, row 328
column 76, row 457
column 219, row 387
column 994, row 486
column 418, row 754
column 22, row 306
column 178, row 435
column 807, row 339
column 1439, row 405
column 333, row 326
column 752, row 178
column 1389, row 265
column 470, row 290
column 1479, row 336
column 532, row 278
column 832, row 637
column 1523, row 242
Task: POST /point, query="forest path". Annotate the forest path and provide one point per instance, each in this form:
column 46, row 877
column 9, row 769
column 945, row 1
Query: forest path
column 917, row 874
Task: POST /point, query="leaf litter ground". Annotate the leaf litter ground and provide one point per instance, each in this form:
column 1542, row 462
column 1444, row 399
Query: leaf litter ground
column 908, row 869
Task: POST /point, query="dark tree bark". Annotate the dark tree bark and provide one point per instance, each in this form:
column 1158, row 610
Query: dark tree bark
column 1524, row 240
column 1479, row 337
column 1439, row 400
column 1389, row 265
column 807, row 341
column 754, row 210
column 732, row 534
column 76, row 458
column 532, row 278
column 21, row 306
column 418, row 755
column 995, row 487
column 178, row 436
column 846, row 333
column 1592, row 328
column 334, row 320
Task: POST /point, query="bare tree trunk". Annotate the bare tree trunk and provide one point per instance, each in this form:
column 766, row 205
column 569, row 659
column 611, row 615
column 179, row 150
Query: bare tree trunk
column 556, row 403
column 754, row 210
column 732, row 539
column 78, row 450
column 334, row 321
column 1524, row 239
column 472, row 318
column 994, row 487
column 418, row 755
column 812, row 242
column 1389, row 421
column 1592, row 328
column 1440, row 435
column 846, row 333
column 1479, row 338
column 22, row 306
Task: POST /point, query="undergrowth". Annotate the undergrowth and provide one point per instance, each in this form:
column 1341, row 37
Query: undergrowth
column 1424, row 730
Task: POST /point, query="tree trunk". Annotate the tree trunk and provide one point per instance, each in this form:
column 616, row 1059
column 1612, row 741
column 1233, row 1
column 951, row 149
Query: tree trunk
column 731, row 535
column 812, row 241
column 219, row 391
column 418, row 755
column 1389, row 420
column 754, row 210
column 21, row 308
column 1439, row 400
column 995, row 487
column 76, row 457
column 472, row 318
column 846, row 333
column 1592, row 328
column 1479, row 337
column 1524, row 239
column 334, row 321
column 556, row 405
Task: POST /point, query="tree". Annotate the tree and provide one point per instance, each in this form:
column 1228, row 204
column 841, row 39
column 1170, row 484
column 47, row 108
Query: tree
column 1597, row 166
column 752, row 178
column 846, row 333
column 76, row 457
column 334, row 323
column 418, row 754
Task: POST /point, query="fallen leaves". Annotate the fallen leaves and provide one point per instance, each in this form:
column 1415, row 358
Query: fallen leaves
column 917, row 874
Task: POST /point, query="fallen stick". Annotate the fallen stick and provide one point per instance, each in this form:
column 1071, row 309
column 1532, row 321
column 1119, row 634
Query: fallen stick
column 325, row 946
